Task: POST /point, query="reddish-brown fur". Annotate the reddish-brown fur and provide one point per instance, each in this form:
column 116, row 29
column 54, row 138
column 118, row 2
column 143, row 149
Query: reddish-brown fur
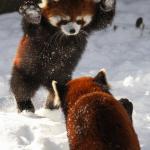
column 95, row 120
column 72, row 8
column 21, row 51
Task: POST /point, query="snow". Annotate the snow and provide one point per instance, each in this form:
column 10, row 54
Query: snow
column 124, row 53
column 29, row 131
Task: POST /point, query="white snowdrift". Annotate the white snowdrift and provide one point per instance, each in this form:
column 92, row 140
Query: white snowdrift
column 125, row 54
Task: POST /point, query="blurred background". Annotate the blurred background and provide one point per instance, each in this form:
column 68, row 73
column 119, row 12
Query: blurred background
column 7, row 6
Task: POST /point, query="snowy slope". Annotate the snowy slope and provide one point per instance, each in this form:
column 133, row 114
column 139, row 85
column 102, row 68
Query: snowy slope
column 124, row 53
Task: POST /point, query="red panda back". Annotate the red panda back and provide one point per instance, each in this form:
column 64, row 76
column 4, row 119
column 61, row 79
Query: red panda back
column 98, row 122
column 95, row 120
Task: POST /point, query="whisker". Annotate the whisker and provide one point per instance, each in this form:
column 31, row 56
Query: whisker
column 56, row 43
column 83, row 32
column 52, row 38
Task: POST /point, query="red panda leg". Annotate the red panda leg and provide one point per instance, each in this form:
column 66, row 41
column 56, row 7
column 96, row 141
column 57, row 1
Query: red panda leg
column 128, row 106
column 23, row 88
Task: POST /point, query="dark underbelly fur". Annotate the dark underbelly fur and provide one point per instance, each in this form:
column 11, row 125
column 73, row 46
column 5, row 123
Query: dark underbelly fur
column 49, row 57
column 52, row 59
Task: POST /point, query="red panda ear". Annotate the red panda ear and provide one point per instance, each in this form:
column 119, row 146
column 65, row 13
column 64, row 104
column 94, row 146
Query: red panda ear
column 43, row 3
column 101, row 79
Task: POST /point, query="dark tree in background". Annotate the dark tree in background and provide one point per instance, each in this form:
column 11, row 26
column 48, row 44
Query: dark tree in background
column 7, row 6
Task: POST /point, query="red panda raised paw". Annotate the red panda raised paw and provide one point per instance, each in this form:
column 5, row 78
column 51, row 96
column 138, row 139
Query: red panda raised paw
column 31, row 12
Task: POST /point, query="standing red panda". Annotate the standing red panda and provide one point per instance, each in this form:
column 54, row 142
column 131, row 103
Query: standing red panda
column 95, row 120
column 55, row 36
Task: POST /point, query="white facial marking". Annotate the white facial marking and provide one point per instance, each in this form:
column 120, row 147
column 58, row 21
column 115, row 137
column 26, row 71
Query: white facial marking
column 57, row 101
column 43, row 4
column 66, row 18
column 71, row 28
column 54, row 20
column 79, row 18
column 87, row 19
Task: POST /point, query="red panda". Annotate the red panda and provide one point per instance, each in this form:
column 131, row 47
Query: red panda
column 55, row 36
column 71, row 20
column 95, row 120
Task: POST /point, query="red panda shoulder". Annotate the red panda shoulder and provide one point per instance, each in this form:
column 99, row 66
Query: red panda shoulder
column 21, row 51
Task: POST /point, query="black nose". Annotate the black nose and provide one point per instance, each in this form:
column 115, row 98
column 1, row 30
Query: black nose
column 72, row 31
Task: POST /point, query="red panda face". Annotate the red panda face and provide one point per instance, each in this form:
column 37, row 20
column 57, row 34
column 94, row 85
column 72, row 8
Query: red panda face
column 69, row 15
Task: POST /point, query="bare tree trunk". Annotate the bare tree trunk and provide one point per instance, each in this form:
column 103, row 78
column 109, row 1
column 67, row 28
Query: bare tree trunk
column 7, row 6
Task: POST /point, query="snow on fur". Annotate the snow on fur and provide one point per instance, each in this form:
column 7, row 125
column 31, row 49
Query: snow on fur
column 124, row 53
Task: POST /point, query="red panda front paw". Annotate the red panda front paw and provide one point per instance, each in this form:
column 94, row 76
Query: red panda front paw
column 31, row 13
column 107, row 5
column 25, row 105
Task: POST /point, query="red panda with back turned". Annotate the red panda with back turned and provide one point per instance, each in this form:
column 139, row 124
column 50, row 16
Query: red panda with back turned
column 95, row 120
column 55, row 36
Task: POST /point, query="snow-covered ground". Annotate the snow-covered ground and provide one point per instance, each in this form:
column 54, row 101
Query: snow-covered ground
column 125, row 54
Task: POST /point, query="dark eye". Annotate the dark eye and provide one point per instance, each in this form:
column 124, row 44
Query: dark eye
column 80, row 22
column 64, row 22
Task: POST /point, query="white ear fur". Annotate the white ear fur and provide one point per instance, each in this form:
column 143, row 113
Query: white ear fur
column 57, row 101
column 43, row 3
column 104, row 71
